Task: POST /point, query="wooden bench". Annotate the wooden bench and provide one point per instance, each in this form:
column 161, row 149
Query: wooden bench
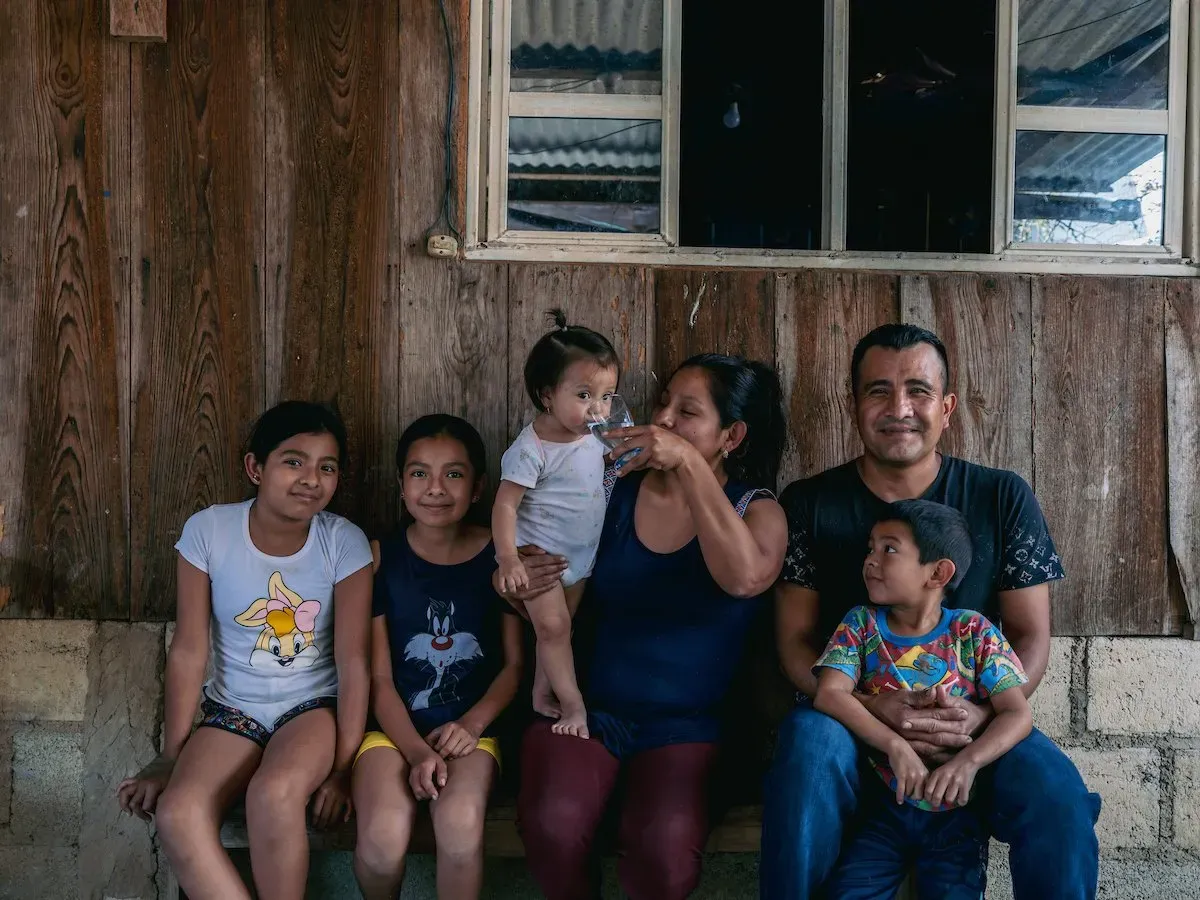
column 738, row 832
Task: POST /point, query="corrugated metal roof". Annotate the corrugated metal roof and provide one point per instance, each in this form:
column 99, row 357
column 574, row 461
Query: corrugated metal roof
column 626, row 26
column 609, row 144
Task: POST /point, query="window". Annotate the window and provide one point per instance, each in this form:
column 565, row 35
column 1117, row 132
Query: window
column 1002, row 130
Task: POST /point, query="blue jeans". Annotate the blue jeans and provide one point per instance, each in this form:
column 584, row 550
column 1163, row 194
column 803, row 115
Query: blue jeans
column 1032, row 799
column 948, row 851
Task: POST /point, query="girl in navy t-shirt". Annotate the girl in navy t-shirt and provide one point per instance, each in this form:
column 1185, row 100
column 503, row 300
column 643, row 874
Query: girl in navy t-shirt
column 445, row 662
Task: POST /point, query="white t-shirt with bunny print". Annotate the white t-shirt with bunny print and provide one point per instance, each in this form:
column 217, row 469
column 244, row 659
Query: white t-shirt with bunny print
column 272, row 616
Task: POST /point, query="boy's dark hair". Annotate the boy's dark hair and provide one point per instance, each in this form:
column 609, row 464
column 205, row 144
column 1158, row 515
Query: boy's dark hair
column 557, row 349
column 897, row 337
column 293, row 417
column 747, row 391
column 939, row 531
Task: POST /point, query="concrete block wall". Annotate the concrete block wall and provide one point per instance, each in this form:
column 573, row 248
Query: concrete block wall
column 80, row 708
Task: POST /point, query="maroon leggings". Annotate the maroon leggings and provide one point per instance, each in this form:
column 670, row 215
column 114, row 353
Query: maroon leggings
column 566, row 784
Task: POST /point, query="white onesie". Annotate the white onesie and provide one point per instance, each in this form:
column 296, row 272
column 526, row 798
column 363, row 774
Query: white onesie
column 563, row 508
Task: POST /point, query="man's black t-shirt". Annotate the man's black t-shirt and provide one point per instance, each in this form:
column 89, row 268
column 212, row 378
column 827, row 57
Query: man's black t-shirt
column 830, row 517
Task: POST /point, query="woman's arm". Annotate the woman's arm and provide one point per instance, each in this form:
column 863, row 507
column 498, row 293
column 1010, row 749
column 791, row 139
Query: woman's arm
column 187, row 659
column 352, row 613
column 744, row 554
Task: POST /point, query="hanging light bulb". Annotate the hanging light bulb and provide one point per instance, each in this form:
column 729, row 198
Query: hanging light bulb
column 732, row 117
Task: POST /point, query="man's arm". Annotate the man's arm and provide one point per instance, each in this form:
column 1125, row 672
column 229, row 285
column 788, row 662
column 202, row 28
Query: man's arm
column 796, row 619
column 1025, row 615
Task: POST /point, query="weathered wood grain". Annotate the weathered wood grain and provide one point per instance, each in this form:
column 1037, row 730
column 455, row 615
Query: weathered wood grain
column 703, row 311
column 70, row 555
column 26, row 200
column 142, row 20
column 1099, row 456
column 330, row 301
column 984, row 322
column 454, row 315
column 609, row 299
column 820, row 316
column 1183, row 438
column 197, row 335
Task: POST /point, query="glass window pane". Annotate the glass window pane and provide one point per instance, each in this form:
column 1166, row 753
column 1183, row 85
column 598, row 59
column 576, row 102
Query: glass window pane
column 920, row 126
column 1089, row 188
column 594, row 175
column 568, row 46
column 1110, row 53
column 750, row 148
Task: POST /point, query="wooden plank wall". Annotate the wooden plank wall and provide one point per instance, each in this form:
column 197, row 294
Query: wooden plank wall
column 195, row 229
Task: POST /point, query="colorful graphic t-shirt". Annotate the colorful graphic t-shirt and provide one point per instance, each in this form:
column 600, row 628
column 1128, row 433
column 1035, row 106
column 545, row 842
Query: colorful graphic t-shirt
column 272, row 616
column 965, row 652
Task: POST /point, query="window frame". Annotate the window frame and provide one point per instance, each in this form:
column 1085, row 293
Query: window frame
column 485, row 237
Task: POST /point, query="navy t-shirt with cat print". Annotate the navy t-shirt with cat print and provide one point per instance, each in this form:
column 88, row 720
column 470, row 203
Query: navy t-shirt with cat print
column 443, row 625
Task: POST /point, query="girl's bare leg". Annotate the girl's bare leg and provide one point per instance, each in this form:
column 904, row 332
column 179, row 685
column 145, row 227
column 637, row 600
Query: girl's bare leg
column 213, row 769
column 458, row 817
column 385, row 810
column 297, row 759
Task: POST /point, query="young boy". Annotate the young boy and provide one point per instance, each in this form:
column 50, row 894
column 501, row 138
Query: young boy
column 917, row 553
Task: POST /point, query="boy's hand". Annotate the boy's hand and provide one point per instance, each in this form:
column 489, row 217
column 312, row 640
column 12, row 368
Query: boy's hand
column 513, row 576
column 428, row 776
column 951, row 783
column 452, row 740
column 139, row 795
column 910, row 772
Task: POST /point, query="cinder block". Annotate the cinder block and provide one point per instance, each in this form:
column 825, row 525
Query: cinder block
column 46, row 772
column 1051, row 702
column 1128, row 783
column 999, row 883
column 43, row 669
column 1134, row 686
column 1187, row 800
column 116, row 855
column 38, row 873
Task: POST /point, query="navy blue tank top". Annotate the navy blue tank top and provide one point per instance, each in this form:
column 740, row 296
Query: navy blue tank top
column 443, row 625
column 668, row 639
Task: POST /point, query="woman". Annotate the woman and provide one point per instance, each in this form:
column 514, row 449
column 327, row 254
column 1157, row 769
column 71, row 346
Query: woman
column 692, row 540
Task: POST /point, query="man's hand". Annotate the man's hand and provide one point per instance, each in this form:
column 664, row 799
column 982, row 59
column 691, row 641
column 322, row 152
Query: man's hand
column 933, row 722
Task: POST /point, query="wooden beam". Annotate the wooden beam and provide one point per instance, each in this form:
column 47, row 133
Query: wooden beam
column 1183, row 438
column 138, row 20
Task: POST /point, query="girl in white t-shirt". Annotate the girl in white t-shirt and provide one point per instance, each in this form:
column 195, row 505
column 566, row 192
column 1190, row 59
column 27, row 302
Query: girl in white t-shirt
column 552, row 496
column 284, row 589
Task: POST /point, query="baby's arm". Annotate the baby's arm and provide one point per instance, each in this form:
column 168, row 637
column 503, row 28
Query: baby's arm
column 504, row 535
column 951, row 783
column 835, row 697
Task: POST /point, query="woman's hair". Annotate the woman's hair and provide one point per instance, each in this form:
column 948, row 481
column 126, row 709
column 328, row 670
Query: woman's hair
column 444, row 425
column 747, row 391
column 557, row 349
column 293, row 417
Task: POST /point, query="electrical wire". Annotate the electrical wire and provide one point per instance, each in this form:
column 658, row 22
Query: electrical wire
column 444, row 211
column 1119, row 12
column 601, row 137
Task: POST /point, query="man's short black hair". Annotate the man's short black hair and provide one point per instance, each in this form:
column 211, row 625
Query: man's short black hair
column 939, row 531
column 898, row 337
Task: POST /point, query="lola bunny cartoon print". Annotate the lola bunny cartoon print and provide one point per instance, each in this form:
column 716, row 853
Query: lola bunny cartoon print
column 287, row 622
column 442, row 649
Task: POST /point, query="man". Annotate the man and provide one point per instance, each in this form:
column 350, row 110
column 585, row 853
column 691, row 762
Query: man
column 1032, row 798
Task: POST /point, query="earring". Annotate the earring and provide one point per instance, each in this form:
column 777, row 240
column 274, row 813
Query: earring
column 725, row 454
column 254, row 478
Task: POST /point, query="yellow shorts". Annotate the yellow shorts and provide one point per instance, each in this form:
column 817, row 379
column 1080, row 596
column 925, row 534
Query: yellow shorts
column 373, row 739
